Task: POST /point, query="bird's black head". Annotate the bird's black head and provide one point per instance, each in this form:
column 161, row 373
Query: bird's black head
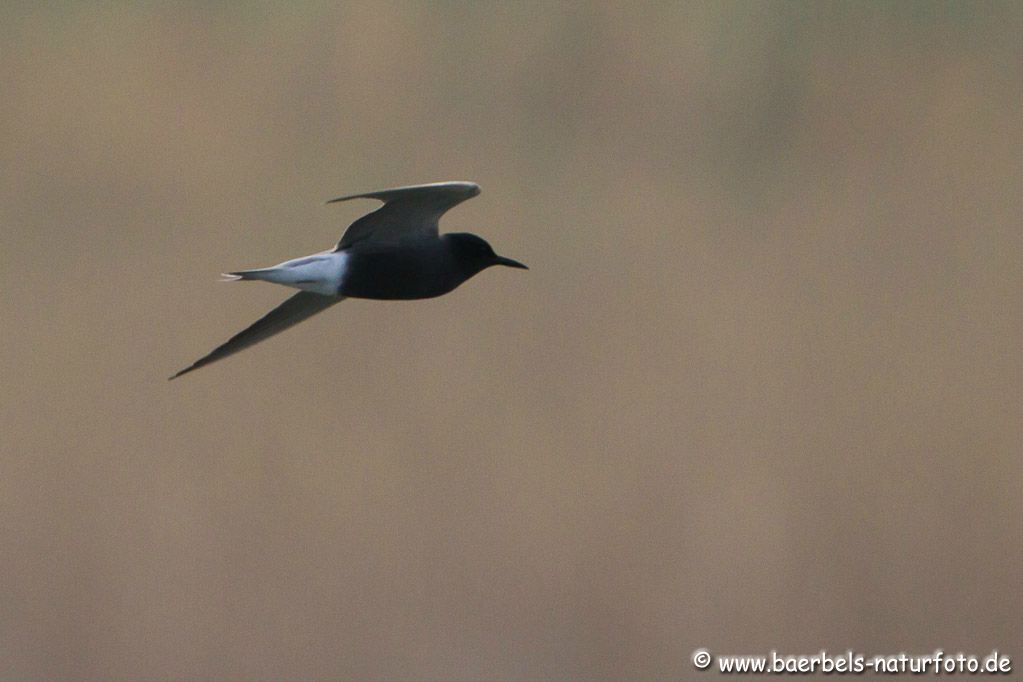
column 474, row 254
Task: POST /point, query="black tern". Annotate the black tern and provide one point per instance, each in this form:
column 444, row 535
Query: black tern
column 393, row 253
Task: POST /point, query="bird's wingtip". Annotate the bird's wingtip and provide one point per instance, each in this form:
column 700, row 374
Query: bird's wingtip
column 180, row 372
column 462, row 188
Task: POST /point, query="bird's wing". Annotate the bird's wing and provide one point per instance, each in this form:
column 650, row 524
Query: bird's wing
column 302, row 305
column 408, row 212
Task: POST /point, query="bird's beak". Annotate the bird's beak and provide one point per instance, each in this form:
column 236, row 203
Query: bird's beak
column 501, row 260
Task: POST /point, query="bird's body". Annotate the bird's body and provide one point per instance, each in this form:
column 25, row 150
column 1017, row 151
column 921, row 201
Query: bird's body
column 405, row 272
column 394, row 253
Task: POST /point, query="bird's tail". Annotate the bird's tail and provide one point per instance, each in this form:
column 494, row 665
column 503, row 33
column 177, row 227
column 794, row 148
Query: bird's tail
column 320, row 273
column 243, row 275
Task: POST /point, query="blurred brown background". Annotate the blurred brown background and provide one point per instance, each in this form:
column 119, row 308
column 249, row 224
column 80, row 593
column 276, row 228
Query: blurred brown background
column 760, row 389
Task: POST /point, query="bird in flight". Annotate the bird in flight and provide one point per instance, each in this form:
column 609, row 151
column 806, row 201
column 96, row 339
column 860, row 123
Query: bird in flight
column 394, row 253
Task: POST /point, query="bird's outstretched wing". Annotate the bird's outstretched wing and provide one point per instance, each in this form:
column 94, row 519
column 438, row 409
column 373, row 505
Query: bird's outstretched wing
column 302, row 305
column 408, row 212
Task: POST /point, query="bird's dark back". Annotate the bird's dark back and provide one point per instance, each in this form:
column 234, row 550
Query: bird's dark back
column 405, row 272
